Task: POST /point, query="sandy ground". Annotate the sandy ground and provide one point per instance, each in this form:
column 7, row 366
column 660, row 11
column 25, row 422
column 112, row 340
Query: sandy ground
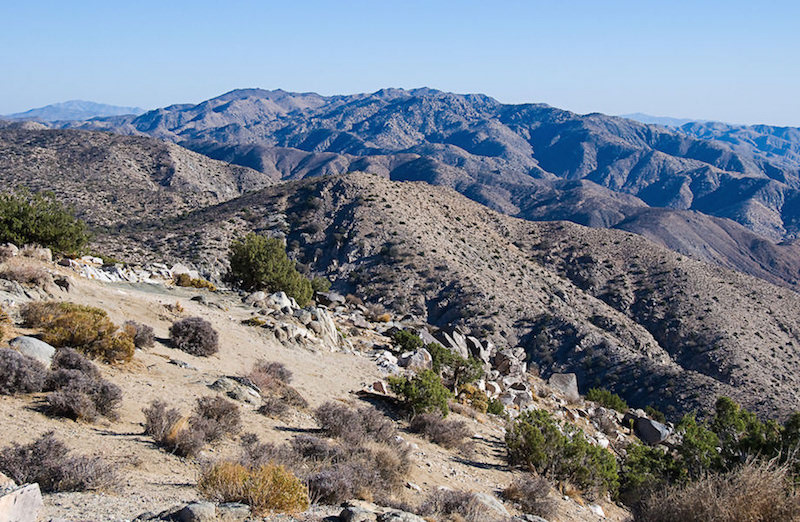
column 152, row 480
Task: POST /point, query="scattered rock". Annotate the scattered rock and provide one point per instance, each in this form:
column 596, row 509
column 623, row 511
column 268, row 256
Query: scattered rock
column 233, row 512
column 34, row 348
column 255, row 297
column 597, row 510
column 197, row 512
column 417, row 360
column 566, row 384
column 650, row 431
column 21, row 504
column 329, row 298
column 492, row 504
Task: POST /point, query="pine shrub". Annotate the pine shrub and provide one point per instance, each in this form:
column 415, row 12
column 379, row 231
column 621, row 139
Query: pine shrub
column 39, row 218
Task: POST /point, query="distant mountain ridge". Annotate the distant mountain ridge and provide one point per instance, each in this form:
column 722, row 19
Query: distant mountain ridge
column 73, row 110
column 666, row 121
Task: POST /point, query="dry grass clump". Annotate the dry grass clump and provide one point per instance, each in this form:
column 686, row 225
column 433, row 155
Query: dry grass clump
column 446, row 504
column 5, row 321
column 20, row 374
column 77, row 390
column 36, row 252
column 354, row 425
column 194, row 335
column 7, row 251
column 47, row 461
column 85, row 328
column 188, row 281
column 267, row 488
column 142, row 334
column 213, row 419
column 26, row 274
column 755, row 491
column 335, row 471
column 272, row 380
column 447, row 433
column 531, row 494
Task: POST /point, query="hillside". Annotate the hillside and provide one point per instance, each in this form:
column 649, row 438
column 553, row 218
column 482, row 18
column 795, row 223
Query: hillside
column 611, row 306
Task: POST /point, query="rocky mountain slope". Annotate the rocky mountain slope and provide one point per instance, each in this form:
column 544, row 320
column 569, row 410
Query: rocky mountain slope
column 114, row 179
column 621, row 312
column 493, row 145
column 148, row 177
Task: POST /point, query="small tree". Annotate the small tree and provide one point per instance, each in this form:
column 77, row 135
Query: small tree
column 40, row 218
column 423, row 393
column 260, row 263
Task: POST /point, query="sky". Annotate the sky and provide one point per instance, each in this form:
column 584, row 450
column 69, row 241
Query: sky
column 735, row 61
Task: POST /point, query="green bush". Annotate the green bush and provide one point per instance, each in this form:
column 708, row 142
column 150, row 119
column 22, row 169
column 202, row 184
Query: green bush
column 423, row 393
column 260, row 263
column 655, row 414
column 456, row 370
column 40, row 218
column 645, row 470
column 607, row 399
column 495, row 407
column 405, row 341
column 320, row 284
column 561, row 452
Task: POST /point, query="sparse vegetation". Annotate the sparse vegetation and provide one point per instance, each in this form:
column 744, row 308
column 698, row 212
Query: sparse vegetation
column 422, row 393
column 47, row 461
column 446, row 504
column 186, row 280
column 531, row 493
column 142, row 334
column 260, row 263
column 214, row 418
column 447, row 433
column 85, row 328
column 194, row 335
column 272, row 379
column 268, row 488
column 20, row 374
column 39, row 218
column 754, row 491
column 560, row 452
column 26, row 274
column 354, row 425
column 607, row 399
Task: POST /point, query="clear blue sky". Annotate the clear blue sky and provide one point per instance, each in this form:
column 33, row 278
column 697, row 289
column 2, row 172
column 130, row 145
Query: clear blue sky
column 732, row 60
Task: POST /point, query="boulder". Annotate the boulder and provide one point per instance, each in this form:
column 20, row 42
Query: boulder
column 6, row 483
column 493, row 505
column 478, row 350
column 566, row 384
column 417, row 360
column 506, row 362
column 21, row 504
column 649, row 431
column 492, row 389
column 255, row 297
column 197, row 512
column 329, row 298
column 279, row 300
column 34, row 348
column 233, row 512
column 178, row 268
column 426, row 336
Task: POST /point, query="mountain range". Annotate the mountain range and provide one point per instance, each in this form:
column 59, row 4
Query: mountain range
column 73, row 110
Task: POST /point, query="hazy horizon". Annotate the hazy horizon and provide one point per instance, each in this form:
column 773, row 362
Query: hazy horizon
column 725, row 61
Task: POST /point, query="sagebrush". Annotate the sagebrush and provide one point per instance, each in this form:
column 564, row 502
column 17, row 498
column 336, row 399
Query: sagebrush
column 194, row 335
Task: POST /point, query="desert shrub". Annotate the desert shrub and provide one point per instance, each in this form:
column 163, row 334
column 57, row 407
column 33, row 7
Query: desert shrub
column 5, row 321
column 40, row 218
column 213, row 419
column 561, row 452
column 142, row 334
column 754, row 491
column 336, row 470
column 531, row 493
column 48, row 462
column 194, row 335
column 646, row 469
column 20, row 374
column 171, row 430
column 77, row 389
column 495, row 407
column 405, row 341
column 7, row 251
column 320, row 284
column 216, row 418
column 422, row 393
column 272, row 407
column 655, row 414
column 260, row 263
column 85, row 328
column 447, row 433
column 265, row 372
column 607, row 399
column 446, row 504
column 27, row 275
column 354, row 425
column 266, row 488
column 471, row 395
column 188, row 281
